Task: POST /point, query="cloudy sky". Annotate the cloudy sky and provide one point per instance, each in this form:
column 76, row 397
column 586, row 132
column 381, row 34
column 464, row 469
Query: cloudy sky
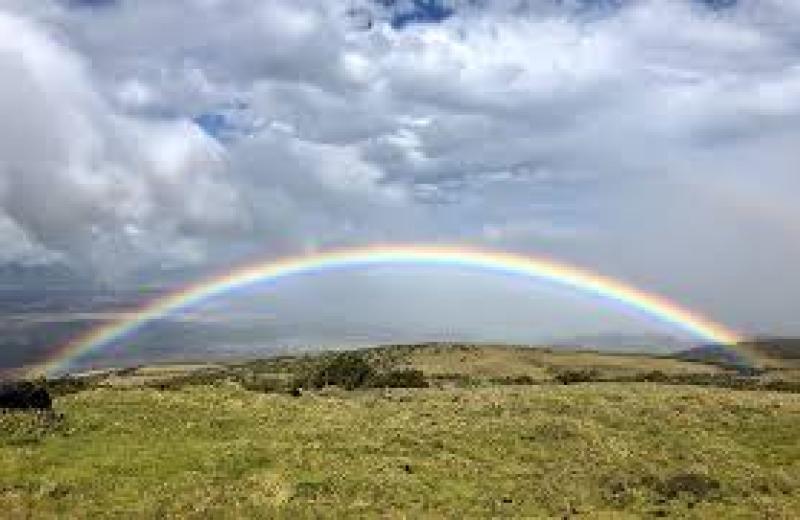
column 651, row 140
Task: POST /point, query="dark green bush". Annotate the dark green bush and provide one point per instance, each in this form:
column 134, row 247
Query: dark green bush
column 654, row 376
column 779, row 385
column 126, row 371
column 566, row 377
column 732, row 380
column 407, row 378
column 349, row 370
column 692, row 485
column 514, row 380
column 198, row 378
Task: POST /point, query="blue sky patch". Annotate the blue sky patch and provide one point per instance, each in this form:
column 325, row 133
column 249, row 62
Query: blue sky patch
column 92, row 3
column 719, row 4
column 418, row 11
column 213, row 124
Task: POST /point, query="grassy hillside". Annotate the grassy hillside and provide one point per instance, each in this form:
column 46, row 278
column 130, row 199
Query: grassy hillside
column 470, row 447
column 466, row 365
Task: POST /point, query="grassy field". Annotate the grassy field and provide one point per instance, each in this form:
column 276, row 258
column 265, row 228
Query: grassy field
column 540, row 364
column 213, row 449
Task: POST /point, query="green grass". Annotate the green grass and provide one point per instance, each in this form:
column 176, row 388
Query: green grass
column 597, row 450
column 507, row 441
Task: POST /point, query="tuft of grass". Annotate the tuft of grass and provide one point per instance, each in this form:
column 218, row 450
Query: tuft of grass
column 21, row 428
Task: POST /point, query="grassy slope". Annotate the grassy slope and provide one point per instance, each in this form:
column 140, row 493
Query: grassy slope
column 539, row 364
column 594, row 450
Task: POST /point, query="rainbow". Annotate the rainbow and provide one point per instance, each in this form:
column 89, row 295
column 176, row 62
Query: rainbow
column 465, row 257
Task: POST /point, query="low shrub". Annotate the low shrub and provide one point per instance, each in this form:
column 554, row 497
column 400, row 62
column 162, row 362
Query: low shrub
column 352, row 370
column 779, row 385
column 349, row 370
column 566, row 377
column 731, row 380
column 514, row 380
column 654, row 376
column 197, row 378
column 406, row 378
column 694, row 486
column 126, row 371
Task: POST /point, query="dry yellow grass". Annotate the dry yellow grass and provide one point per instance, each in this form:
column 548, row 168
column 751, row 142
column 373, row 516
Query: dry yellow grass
column 589, row 451
column 153, row 373
column 212, row 449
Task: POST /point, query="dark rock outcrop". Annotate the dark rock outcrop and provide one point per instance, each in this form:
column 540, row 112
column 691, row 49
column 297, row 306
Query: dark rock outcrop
column 24, row 395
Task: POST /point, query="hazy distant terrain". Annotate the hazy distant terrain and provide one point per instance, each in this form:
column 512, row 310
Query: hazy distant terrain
column 37, row 322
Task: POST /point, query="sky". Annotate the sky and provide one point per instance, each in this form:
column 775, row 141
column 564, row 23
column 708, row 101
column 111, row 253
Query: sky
column 655, row 141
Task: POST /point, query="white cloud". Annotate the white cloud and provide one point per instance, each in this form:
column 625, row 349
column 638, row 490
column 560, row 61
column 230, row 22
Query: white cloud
column 610, row 137
column 101, row 188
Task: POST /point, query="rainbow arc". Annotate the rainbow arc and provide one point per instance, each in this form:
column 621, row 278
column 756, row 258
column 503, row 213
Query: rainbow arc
column 607, row 288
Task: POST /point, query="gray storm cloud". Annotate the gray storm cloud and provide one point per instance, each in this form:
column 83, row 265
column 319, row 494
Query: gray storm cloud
column 652, row 140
